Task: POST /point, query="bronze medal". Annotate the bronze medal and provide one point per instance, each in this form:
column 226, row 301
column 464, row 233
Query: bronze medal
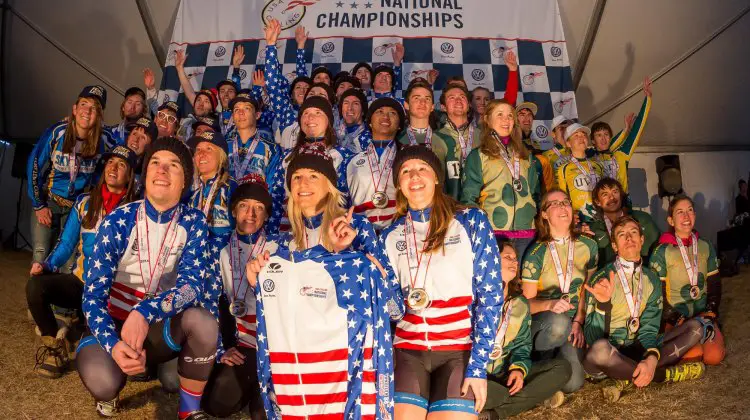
column 633, row 325
column 695, row 292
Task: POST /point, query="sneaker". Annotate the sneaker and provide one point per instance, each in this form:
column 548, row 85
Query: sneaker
column 615, row 388
column 197, row 415
column 488, row 415
column 51, row 358
column 685, row 372
column 557, row 399
column 107, row 408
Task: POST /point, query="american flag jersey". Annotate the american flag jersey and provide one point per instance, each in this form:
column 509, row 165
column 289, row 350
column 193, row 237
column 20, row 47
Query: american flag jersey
column 324, row 343
column 264, row 156
column 222, row 221
column 114, row 283
column 283, row 108
column 462, row 280
column 362, row 182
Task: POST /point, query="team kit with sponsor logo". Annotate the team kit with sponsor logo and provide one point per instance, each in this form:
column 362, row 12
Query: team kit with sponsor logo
column 326, row 220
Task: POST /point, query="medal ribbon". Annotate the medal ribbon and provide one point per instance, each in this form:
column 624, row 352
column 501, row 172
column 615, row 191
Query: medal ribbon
column 564, row 279
column 378, row 170
column 515, row 167
column 235, row 262
column 634, row 305
column 413, row 137
column 148, row 274
column 239, row 169
column 590, row 173
column 463, row 143
column 691, row 271
column 413, row 255
column 205, row 203
column 503, row 327
column 73, row 166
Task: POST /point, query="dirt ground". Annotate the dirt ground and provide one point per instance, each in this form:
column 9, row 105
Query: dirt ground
column 720, row 394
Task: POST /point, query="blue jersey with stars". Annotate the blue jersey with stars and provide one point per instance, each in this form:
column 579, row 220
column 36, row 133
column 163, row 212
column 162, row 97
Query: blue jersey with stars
column 463, row 283
column 48, row 168
column 115, row 282
column 220, row 220
column 340, row 365
column 263, row 158
column 281, row 102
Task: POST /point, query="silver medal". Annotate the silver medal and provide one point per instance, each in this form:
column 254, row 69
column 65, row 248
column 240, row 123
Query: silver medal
column 238, row 308
column 633, row 325
column 517, row 185
column 380, row 200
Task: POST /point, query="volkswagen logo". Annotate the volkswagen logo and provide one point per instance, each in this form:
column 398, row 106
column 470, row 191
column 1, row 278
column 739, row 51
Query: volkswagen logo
column 542, row 132
column 269, row 285
column 555, row 51
column 328, row 47
column 220, row 52
column 477, row 74
column 447, row 48
column 243, row 74
column 401, row 245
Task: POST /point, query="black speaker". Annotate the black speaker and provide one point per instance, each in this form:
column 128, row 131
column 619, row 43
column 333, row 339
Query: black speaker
column 21, row 152
column 670, row 176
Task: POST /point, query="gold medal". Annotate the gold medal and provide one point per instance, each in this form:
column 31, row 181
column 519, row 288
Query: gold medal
column 695, row 292
column 496, row 353
column 633, row 325
column 418, row 299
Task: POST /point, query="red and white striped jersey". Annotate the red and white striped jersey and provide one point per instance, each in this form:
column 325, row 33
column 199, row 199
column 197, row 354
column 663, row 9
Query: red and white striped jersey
column 363, row 177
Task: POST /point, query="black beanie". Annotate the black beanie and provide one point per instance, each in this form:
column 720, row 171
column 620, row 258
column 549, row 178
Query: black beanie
column 366, row 66
column 384, row 68
column 417, row 151
column 312, row 156
column 176, row 146
column 320, row 103
column 296, row 80
column 322, row 69
column 391, row 103
column 329, row 91
column 359, row 94
column 251, row 187
column 346, row 78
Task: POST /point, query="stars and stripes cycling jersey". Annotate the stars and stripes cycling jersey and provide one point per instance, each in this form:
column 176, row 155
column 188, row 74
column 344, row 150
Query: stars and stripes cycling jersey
column 324, row 342
column 364, row 178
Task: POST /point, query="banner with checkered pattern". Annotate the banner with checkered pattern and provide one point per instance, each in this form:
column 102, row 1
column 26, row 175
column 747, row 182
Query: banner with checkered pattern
column 455, row 37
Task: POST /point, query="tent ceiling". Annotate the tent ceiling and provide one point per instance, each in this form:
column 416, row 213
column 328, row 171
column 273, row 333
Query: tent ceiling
column 699, row 102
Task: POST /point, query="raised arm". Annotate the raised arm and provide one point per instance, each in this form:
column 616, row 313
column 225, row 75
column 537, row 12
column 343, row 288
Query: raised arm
column 629, row 139
column 511, row 85
column 187, row 87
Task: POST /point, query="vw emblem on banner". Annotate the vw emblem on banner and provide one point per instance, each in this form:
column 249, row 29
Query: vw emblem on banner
column 447, row 48
column 477, row 74
column 542, row 132
column 220, row 52
column 328, row 47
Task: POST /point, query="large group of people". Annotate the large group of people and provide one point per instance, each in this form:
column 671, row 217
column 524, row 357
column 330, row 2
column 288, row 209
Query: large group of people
column 326, row 247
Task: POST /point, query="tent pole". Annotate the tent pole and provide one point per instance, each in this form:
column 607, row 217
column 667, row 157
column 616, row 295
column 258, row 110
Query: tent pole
column 148, row 24
column 592, row 28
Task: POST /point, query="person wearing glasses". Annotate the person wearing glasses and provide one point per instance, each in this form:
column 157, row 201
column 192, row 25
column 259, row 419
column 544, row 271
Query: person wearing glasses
column 167, row 117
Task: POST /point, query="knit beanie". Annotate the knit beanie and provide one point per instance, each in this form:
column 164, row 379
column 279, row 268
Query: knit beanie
column 251, row 187
column 386, row 102
column 299, row 79
column 329, row 91
column 321, row 69
column 417, row 151
column 180, row 149
column 320, row 103
column 312, row 156
column 359, row 94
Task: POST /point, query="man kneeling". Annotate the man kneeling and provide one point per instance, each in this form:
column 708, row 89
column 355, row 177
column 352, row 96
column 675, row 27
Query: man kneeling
column 147, row 262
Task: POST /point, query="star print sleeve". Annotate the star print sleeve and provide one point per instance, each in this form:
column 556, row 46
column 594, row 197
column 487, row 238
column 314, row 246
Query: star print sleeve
column 488, row 292
column 397, row 84
column 383, row 349
column 280, row 101
column 648, row 333
column 394, row 298
column 278, row 196
column 191, row 270
column 68, row 241
column 267, row 390
column 110, row 245
column 266, row 113
column 301, row 64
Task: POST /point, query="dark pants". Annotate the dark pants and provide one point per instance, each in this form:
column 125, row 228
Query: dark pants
column 231, row 388
column 550, row 333
column 45, row 290
column 544, row 379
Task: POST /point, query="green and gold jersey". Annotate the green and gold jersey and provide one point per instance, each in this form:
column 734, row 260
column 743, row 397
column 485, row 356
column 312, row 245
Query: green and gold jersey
column 556, row 161
column 447, row 141
column 601, row 235
column 517, row 341
column 438, row 143
column 610, row 320
column 539, row 268
column 488, row 182
column 666, row 261
column 614, row 165
column 579, row 185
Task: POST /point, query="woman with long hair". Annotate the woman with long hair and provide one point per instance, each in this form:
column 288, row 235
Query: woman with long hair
column 514, row 384
column 500, row 177
column 444, row 257
column 555, row 268
column 580, row 174
column 213, row 185
column 48, row 286
column 623, row 317
column 315, row 274
column 62, row 166
column 316, row 127
column 689, row 270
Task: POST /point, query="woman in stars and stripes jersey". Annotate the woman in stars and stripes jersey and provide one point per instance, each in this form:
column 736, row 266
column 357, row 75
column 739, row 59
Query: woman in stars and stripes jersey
column 689, row 271
column 446, row 261
column 233, row 383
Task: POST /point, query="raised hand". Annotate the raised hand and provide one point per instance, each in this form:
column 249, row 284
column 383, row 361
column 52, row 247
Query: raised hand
column 341, row 232
column 603, row 289
column 272, row 31
column 239, row 56
column 179, row 59
column 148, row 79
column 259, row 79
column 398, row 54
column 432, row 76
column 647, row 86
column 301, row 36
column 511, row 60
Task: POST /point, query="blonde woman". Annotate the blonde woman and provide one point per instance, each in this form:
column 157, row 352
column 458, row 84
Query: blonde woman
column 445, row 259
column 214, row 186
column 501, row 178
